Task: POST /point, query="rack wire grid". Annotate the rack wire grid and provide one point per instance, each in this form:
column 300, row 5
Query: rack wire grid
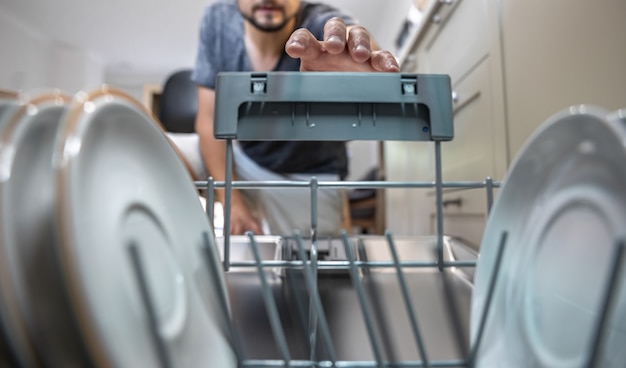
column 309, row 265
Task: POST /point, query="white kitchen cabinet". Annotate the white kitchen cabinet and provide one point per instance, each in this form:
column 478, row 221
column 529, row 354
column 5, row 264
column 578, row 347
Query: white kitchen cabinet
column 472, row 156
column 455, row 40
column 405, row 208
column 472, row 153
column 457, row 26
column 513, row 63
column 560, row 53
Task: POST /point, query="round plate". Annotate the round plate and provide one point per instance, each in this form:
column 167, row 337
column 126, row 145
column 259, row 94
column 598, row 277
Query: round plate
column 120, row 182
column 38, row 324
column 7, row 358
column 619, row 117
column 8, row 105
column 563, row 206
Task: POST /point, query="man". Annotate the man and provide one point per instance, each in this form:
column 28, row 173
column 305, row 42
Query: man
column 278, row 35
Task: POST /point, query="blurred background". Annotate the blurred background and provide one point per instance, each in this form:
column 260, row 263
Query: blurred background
column 513, row 64
column 74, row 44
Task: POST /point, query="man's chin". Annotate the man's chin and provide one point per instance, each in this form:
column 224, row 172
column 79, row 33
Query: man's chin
column 269, row 26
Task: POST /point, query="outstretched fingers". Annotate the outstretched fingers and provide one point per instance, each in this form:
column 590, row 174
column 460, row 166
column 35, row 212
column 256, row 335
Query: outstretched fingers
column 302, row 44
column 359, row 44
column 384, row 61
column 343, row 49
column 335, row 36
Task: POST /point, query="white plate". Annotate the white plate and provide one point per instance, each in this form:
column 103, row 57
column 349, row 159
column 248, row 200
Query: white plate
column 563, row 205
column 6, row 346
column 619, row 116
column 30, row 290
column 8, row 106
column 119, row 181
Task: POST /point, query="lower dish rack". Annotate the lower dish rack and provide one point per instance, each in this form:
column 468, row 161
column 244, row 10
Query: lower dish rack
column 293, row 301
column 350, row 301
column 363, row 301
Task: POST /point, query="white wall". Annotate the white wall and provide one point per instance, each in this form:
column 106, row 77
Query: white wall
column 31, row 61
column 133, row 81
column 25, row 61
column 75, row 69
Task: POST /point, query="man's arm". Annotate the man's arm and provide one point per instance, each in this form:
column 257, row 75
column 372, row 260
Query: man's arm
column 213, row 153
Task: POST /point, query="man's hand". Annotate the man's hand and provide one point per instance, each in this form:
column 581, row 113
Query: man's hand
column 241, row 220
column 348, row 49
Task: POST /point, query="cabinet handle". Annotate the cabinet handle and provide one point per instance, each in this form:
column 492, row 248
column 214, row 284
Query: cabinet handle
column 447, row 2
column 452, row 202
column 455, row 97
column 436, row 18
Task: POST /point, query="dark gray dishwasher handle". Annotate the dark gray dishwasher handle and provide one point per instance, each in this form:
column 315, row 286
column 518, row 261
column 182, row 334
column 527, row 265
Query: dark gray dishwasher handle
column 321, row 106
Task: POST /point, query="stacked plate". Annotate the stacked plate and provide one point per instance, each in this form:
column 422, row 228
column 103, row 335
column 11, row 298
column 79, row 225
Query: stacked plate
column 563, row 208
column 103, row 241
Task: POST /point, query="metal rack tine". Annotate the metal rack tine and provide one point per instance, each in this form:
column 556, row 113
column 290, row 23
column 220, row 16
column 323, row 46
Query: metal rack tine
column 489, row 188
column 314, row 187
column 607, row 304
column 316, row 303
column 439, row 195
column 228, row 186
column 312, row 314
column 210, row 201
column 159, row 345
column 313, row 184
column 367, row 315
column 211, row 260
column 407, row 299
column 492, row 285
column 270, row 303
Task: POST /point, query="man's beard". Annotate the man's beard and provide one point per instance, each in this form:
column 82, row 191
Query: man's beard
column 267, row 27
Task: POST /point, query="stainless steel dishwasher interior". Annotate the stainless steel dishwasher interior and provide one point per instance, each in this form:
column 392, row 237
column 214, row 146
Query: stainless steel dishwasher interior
column 441, row 299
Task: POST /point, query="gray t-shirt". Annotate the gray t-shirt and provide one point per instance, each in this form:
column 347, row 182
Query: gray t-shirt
column 221, row 49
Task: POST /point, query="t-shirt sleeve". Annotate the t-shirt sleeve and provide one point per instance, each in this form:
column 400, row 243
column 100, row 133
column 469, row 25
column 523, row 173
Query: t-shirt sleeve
column 206, row 65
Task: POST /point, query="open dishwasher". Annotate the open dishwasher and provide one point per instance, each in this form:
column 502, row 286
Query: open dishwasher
column 137, row 278
column 350, row 303
column 369, row 301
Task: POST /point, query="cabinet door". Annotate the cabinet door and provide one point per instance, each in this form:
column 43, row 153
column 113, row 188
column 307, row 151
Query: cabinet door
column 407, row 209
column 457, row 38
column 471, row 156
column 574, row 53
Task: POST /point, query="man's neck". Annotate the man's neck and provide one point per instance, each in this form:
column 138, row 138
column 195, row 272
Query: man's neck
column 265, row 48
